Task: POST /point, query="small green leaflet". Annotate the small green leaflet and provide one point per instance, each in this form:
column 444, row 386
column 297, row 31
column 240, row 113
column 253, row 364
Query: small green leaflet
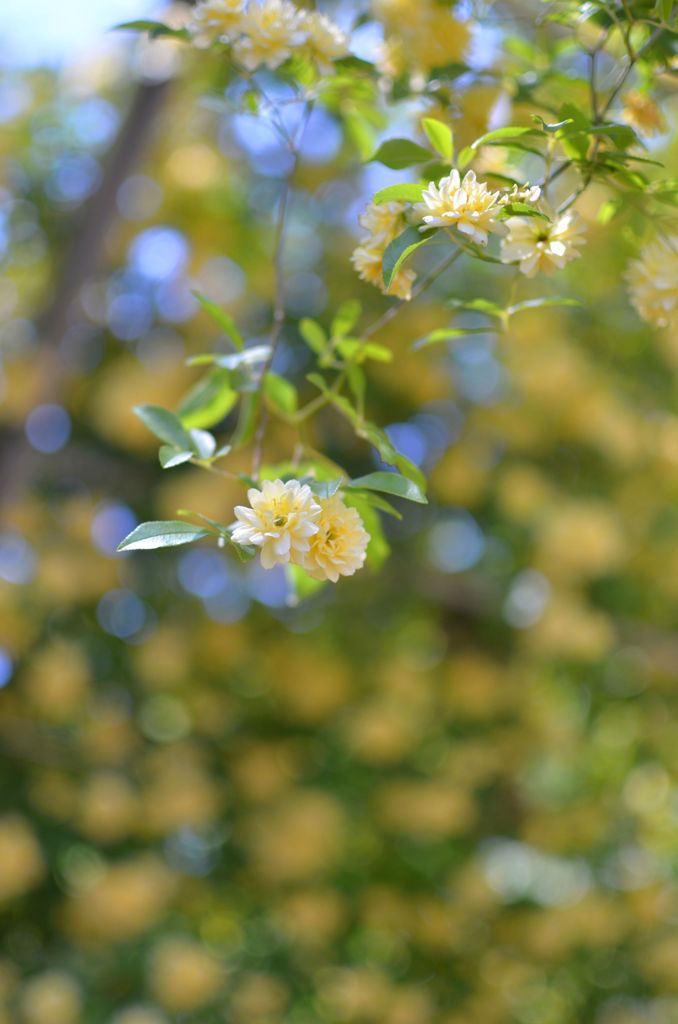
column 247, row 419
column 400, row 249
column 345, row 318
column 154, row 28
column 280, row 393
column 204, row 443
column 405, row 193
column 209, row 401
column 400, row 153
column 354, row 348
column 521, row 210
column 376, row 501
column 248, row 357
column 449, row 334
column 226, row 322
column 440, row 137
column 171, row 457
column 477, row 306
column 167, row 534
column 313, row 335
column 504, row 134
column 540, row 303
column 324, row 488
column 165, row 425
column 389, row 483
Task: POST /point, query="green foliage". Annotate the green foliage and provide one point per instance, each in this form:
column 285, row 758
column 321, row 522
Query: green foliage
column 389, row 483
column 167, row 534
column 400, row 249
column 440, row 137
column 400, row 153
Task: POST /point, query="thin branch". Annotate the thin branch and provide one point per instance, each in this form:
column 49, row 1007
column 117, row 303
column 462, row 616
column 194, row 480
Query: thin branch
column 279, row 298
column 423, row 285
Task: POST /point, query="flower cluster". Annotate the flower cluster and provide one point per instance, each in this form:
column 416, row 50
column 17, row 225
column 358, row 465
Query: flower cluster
column 291, row 526
column 268, row 33
column 382, row 222
column 537, row 245
column 642, row 113
column 419, row 36
column 468, row 205
column 653, row 282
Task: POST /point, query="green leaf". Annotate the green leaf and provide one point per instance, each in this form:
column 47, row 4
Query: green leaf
column 244, row 552
column 345, row 318
column 357, row 382
column 389, row 453
column 171, row 457
column 465, row 156
column 167, row 534
column 450, row 71
column 248, row 357
column 400, row 250
column 209, row 401
column 405, row 193
column 400, row 153
column 280, row 393
column 540, row 303
column 609, row 210
column 477, row 306
column 360, row 133
column 389, row 483
column 502, row 135
column 554, row 126
column 377, row 548
column 165, row 425
column 313, row 335
column 355, row 348
column 226, row 322
column 622, row 135
column 154, row 28
column 248, row 419
column 521, row 210
column 440, row 137
column 324, row 488
column 376, row 501
column 448, row 334
column 203, row 442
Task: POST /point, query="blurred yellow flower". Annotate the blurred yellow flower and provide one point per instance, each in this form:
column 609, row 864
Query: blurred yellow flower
column 281, row 521
column 184, row 975
column 325, row 41
column 270, row 33
column 383, row 222
column 420, row 36
column 462, row 203
column 21, row 861
column 339, row 546
column 216, row 19
column 120, row 901
column 642, row 113
column 537, row 245
column 653, row 282
column 51, row 998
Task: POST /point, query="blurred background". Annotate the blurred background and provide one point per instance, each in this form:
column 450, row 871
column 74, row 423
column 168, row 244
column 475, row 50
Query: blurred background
column 444, row 793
